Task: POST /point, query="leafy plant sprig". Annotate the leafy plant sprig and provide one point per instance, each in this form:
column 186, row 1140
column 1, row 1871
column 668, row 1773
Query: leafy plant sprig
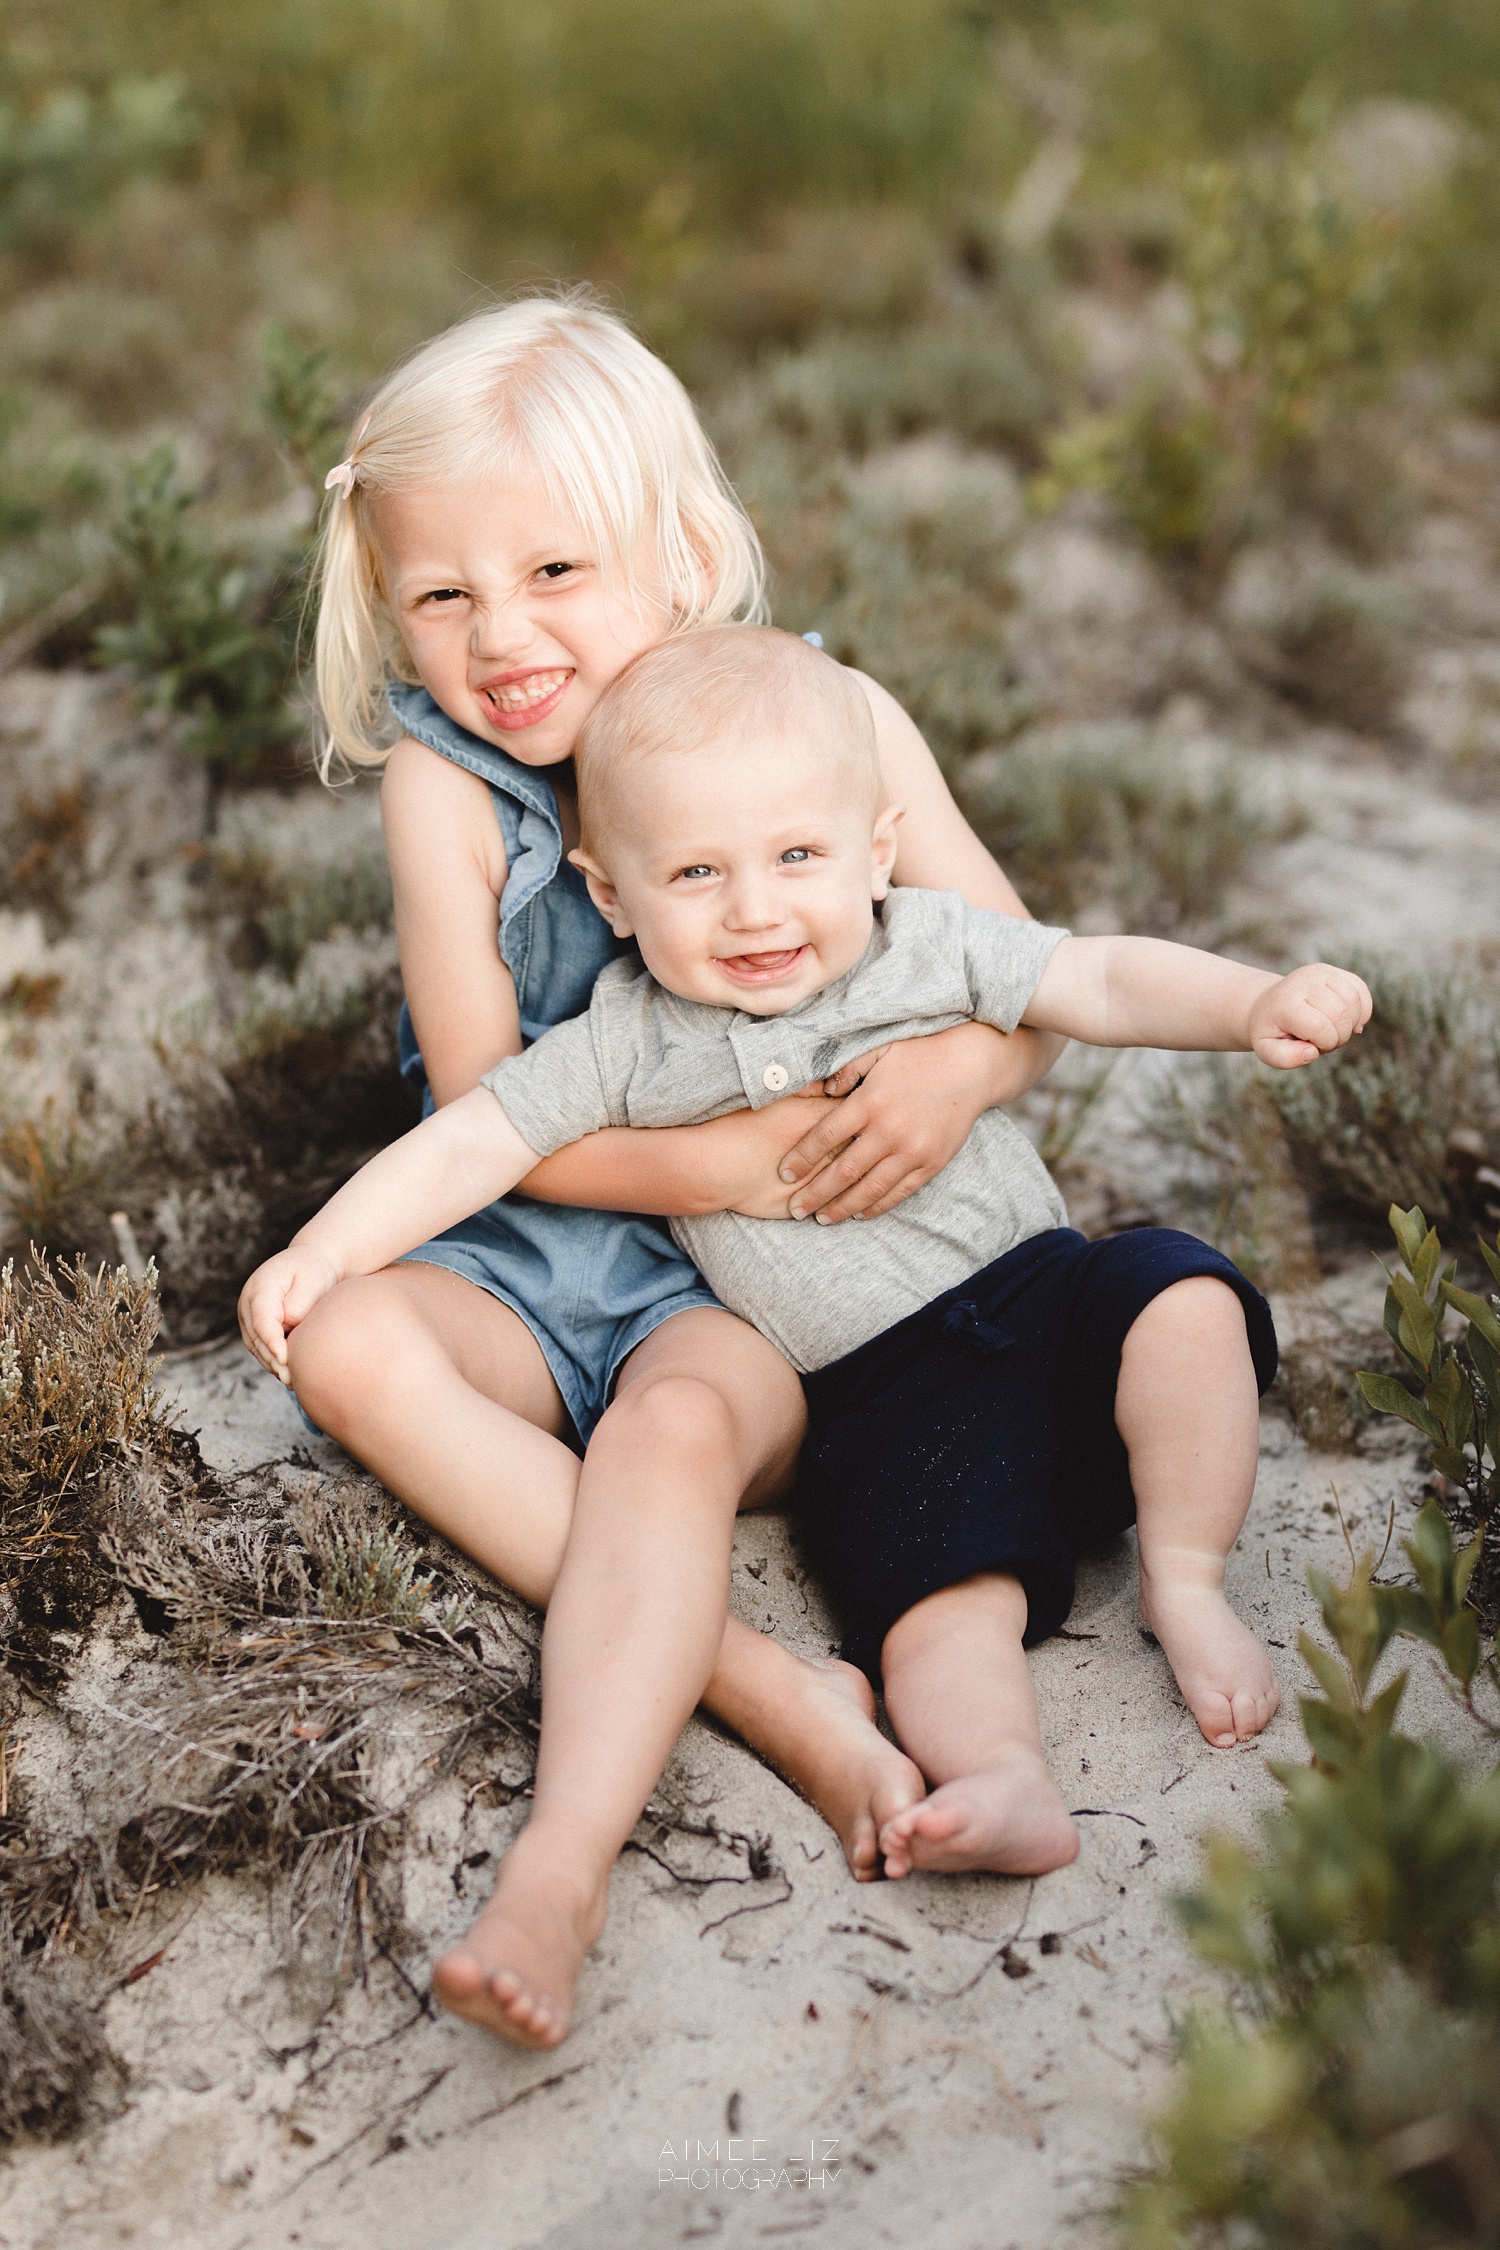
column 1456, row 1406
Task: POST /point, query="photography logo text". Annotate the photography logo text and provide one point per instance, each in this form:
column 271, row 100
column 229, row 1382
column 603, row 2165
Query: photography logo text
column 743, row 2163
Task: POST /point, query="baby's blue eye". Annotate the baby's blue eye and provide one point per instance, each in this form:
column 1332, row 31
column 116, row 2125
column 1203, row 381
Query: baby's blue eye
column 687, row 874
column 795, row 857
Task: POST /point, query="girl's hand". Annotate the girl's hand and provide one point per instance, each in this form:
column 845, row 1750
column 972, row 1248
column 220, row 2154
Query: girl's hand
column 1308, row 1014
column 277, row 1296
column 908, row 1109
column 743, row 1154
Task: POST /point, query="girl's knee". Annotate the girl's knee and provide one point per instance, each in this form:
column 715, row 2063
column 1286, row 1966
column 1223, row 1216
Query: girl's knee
column 347, row 1344
column 675, row 1415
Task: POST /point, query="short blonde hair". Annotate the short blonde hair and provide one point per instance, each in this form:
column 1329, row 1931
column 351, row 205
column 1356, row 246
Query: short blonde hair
column 564, row 384
column 708, row 688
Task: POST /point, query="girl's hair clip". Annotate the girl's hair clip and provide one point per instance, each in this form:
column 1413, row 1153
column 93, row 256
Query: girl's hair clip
column 342, row 476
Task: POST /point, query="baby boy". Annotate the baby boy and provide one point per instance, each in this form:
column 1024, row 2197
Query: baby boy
column 988, row 1393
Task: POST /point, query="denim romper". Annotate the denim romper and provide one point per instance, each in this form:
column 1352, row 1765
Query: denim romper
column 590, row 1285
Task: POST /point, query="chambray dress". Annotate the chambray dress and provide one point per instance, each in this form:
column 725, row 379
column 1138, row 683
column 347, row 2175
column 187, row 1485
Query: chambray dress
column 590, row 1285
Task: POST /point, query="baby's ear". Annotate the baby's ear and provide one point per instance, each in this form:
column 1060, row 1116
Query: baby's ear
column 602, row 891
column 883, row 849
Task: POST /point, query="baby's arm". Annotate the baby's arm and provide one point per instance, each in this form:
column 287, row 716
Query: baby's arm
column 451, row 1164
column 1145, row 992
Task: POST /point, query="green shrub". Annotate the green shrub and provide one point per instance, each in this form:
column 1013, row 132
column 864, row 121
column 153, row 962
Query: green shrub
column 1103, row 821
column 1456, row 1407
column 1394, row 1113
column 215, row 637
column 1291, row 326
column 1353, row 2097
column 66, row 150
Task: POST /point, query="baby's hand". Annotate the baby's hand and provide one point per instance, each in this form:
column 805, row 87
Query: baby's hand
column 1308, row 1014
column 277, row 1296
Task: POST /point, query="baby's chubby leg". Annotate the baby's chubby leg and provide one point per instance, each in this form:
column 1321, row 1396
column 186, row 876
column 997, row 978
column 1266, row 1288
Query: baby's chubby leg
column 633, row 1634
column 959, row 1693
column 1187, row 1408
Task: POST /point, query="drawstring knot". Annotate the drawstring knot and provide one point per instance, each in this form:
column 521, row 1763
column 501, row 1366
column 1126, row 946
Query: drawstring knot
column 962, row 1319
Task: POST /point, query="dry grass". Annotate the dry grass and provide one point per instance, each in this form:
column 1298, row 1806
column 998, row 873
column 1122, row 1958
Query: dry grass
column 56, row 2067
column 77, row 1398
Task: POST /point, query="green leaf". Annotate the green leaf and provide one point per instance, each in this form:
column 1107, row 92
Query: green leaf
column 1326, row 1670
column 1465, row 1566
column 1387, row 1396
column 1451, row 1463
column 1421, row 1318
column 1489, row 1256
column 1431, row 1554
column 1335, row 1737
column 1382, row 1712
column 1410, row 1230
column 1477, row 1309
column 1460, row 1645
column 1427, row 1260
column 1410, row 1614
column 1486, row 1361
column 1449, row 1399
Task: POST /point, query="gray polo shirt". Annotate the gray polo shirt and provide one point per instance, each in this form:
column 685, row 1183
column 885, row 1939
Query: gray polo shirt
column 641, row 1056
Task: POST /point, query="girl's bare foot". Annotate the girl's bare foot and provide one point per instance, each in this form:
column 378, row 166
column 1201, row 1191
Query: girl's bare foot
column 516, row 1970
column 1224, row 1674
column 829, row 1747
column 1007, row 1819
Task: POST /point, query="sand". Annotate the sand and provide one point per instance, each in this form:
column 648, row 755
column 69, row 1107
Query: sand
column 756, row 2057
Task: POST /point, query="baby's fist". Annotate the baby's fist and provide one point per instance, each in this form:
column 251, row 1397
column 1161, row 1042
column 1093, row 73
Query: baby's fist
column 1308, row 1014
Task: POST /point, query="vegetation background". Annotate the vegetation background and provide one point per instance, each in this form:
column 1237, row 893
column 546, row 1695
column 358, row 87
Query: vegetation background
column 1118, row 380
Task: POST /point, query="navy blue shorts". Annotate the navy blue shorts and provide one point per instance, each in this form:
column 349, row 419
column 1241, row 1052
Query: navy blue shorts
column 979, row 1433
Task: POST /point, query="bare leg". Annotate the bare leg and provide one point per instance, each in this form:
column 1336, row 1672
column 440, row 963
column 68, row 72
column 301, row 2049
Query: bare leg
column 632, row 1636
column 443, row 1392
column 959, row 1693
column 1187, row 1409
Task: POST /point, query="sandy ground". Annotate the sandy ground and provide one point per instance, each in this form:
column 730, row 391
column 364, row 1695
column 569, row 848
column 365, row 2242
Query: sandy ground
column 755, row 2059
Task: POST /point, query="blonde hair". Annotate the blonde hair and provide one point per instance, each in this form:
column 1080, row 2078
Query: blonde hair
column 707, row 689
column 566, row 386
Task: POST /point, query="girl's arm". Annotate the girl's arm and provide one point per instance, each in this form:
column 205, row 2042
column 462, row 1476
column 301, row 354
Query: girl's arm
column 449, row 1165
column 447, row 873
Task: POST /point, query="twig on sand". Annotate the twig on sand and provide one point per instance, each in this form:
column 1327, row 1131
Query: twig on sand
column 755, row 1906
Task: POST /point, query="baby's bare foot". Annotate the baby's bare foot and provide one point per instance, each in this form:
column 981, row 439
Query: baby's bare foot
column 516, row 1970
column 1008, row 1819
column 1224, row 1674
column 828, row 1745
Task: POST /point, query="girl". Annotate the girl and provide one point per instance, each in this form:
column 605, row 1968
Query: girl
column 529, row 503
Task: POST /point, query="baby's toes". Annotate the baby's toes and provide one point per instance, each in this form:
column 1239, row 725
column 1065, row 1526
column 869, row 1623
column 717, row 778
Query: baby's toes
column 1217, row 1723
column 864, row 1849
column 1254, row 1709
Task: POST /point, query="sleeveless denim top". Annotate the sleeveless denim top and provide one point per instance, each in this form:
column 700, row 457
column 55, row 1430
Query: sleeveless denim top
column 553, row 939
column 590, row 1285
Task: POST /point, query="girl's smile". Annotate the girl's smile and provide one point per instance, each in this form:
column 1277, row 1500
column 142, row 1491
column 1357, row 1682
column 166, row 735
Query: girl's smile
column 521, row 699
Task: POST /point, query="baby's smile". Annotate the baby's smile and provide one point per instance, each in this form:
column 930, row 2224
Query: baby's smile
column 762, row 968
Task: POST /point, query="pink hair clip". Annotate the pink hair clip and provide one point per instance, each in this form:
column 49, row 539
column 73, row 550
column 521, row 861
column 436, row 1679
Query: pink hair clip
column 344, row 472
